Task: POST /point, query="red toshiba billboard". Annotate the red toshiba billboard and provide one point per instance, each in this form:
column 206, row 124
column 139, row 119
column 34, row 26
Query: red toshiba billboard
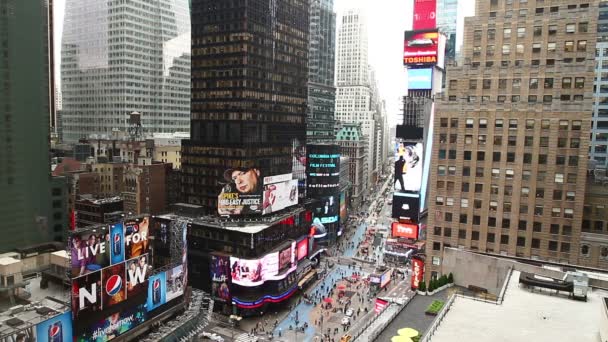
column 417, row 272
column 405, row 230
column 425, row 14
column 421, row 47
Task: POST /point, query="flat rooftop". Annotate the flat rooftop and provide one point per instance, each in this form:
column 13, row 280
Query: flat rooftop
column 523, row 316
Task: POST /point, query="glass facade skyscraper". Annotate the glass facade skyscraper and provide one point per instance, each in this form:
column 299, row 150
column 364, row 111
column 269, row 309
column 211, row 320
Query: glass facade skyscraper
column 599, row 132
column 123, row 56
column 447, row 19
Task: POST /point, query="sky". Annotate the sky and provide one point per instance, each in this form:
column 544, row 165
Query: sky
column 387, row 20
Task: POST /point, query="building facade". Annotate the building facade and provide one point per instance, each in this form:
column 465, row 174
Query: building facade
column 353, row 145
column 117, row 59
column 599, row 134
column 25, row 102
column 511, row 135
column 321, row 64
column 249, row 92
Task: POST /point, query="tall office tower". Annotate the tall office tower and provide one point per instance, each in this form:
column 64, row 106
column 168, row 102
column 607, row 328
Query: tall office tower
column 448, row 12
column 509, row 159
column 353, row 144
column 249, row 92
column 321, row 64
column 25, row 182
column 353, row 90
column 119, row 58
column 599, row 128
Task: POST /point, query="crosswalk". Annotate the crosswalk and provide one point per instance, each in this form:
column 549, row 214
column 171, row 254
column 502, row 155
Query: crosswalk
column 245, row 338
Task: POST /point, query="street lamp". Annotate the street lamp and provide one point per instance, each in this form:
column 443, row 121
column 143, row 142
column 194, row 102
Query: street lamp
column 234, row 319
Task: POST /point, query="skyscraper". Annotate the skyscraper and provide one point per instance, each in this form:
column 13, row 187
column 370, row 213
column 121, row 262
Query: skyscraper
column 448, row 12
column 599, row 136
column 511, row 136
column 321, row 64
column 119, row 58
column 249, row 92
column 25, row 182
column 354, row 93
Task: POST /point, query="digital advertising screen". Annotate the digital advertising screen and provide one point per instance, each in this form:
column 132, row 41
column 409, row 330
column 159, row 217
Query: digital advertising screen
column 287, row 257
column 241, row 193
column 343, row 208
column 327, row 210
column 136, row 237
column 137, row 275
column 56, row 329
column 405, row 230
column 89, row 251
column 408, row 167
column 385, row 278
column 421, row 47
column 406, row 207
column 86, row 294
column 323, row 169
column 114, row 287
column 255, row 272
column 302, row 249
column 157, row 291
column 220, row 277
column 417, row 272
column 175, row 282
column 425, row 14
column 280, row 192
column 113, row 326
column 420, row 79
column 117, row 243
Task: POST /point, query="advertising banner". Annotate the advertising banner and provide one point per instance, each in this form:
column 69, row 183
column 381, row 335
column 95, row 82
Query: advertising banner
column 114, row 289
column 279, row 195
column 385, row 278
column 175, row 282
column 343, row 209
column 255, row 272
column 114, row 325
column 242, row 192
column 406, row 207
column 137, row 276
column 185, row 254
column 90, row 251
column 405, row 230
column 408, row 167
column 302, row 249
column 157, row 291
column 420, row 79
column 327, row 211
column 220, row 277
column 380, row 305
column 56, row 329
column 425, row 14
column 117, row 243
column 417, row 272
column 86, row 294
column 323, row 170
column 421, row 47
column 287, row 257
column 136, row 237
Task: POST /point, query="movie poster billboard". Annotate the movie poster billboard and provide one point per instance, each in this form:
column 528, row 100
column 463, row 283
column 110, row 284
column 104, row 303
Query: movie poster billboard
column 404, row 230
column 406, row 207
column 175, row 282
column 417, row 272
column 86, row 294
column 138, row 271
column 89, row 251
column 56, row 329
column 136, row 237
column 302, row 249
column 157, row 291
column 421, row 47
column 255, row 272
column 241, row 193
column 117, row 243
column 220, row 277
column 280, row 192
column 408, row 167
column 287, row 257
column 114, row 287
column 425, row 14
column 114, row 325
column 343, row 208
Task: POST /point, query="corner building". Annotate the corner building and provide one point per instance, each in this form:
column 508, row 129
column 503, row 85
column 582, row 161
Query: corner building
column 510, row 152
column 249, row 91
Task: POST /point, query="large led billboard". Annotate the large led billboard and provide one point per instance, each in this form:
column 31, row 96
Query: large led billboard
column 323, row 170
column 241, row 193
column 255, row 272
column 408, row 167
column 157, row 291
column 287, row 258
column 302, row 249
column 220, row 277
column 405, row 230
column 136, row 232
column 327, row 210
column 90, row 251
column 417, row 272
column 406, row 207
column 176, row 282
column 56, row 329
column 343, row 208
column 420, row 79
column 280, row 192
column 421, row 47
column 113, row 325
column 385, row 278
column 425, row 14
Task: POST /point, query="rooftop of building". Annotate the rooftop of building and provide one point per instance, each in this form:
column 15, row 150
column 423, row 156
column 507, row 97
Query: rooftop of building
column 99, row 201
column 523, row 316
column 66, row 165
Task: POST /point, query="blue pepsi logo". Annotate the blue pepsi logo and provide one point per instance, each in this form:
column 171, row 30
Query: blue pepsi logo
column 55, row 330
column 156, row 284
column 116, row 237
column 113, row 285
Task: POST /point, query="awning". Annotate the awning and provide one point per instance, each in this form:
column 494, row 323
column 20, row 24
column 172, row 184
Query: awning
column 306, row 278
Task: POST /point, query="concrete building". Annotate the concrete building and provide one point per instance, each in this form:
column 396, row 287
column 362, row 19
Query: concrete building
column 511, row 181
column 95, row 211
column 594, row 229
column 167, row 148
column 353, row 145
column 111, row 178
column 25, row 107
column 321, row 64
column 354, row 91
column 146, row 187
column 108, row 73
column 599, row 132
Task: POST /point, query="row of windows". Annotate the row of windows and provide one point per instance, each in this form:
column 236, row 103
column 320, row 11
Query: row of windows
column 569, row 46
column 570, row 178
column 566, row 83
column 504, row 239
column 545, row 124
column 570, row 28
column 512, row 141
column 510, row 158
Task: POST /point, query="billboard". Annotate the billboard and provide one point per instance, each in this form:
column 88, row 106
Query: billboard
column 425, row 14
column 302, row 249
column 114, row 325
column 137, row 275
column 220, row 277
column 56, row 329
column 157, row 291
column 385, row 278
column 280, row 192
column 408, row 167
column 405, row 230
column 242, row 192
column 114, row 288
column 406, row 207
column 417, row 272
column 255, row 272
column 136, row 234
column 89, row 251
column 380, row 305
column 176, row 282
column 327, row 210
column 420, row 79
column 86, row 294
column 287, row 257
column 343, row 209
column 421, row 47
column 117, row 244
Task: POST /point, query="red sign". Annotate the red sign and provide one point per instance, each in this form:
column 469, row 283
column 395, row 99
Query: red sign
column 405, row 230
column 302, row 249
column 421, row 47
column 425, row 14
column 417, row 272
column 380, row 305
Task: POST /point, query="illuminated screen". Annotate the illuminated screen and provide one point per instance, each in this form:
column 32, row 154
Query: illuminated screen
column 420, row 79
column 255, row 272
column 408, row 166
column 425, row 16
column 417, row 272
column 220, row 277
column 241, row 193
column 302, row 249
column 421, row 47
column 405, row 230
column 280, row 192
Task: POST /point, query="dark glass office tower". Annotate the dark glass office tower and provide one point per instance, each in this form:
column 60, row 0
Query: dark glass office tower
column 249, row 91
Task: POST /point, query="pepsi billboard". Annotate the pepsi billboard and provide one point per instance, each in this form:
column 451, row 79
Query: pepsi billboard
column 117, row 245
column 114, row 325
column 157, row 291
column 56, row 329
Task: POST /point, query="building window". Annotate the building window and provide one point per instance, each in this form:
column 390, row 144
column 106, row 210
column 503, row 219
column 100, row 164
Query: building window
column 462, row 234
column 504, row 239
column 553, row 245
column 464, row 203
column 585, row 250
column 536, row 243
column 521, row 241
column 569, row 46
column 570, row 28
column 579, row 83
column 490, row 237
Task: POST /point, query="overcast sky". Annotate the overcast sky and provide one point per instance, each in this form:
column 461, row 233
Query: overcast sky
column 387, row 20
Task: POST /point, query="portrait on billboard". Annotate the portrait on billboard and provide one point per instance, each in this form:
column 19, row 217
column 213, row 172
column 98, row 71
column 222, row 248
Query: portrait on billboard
column 408, row 167
column 157, row 291
column 280, row 195
column 254, row 272
column 175, row 282
column 89, row 251
column 220, row 276
column 117, row 243
column 136, row 237
column 421, row 47
column 86, row 294
column 138, row 271
column 114, row 287
column 56, row 329
column 112, row 326
column 242, row 192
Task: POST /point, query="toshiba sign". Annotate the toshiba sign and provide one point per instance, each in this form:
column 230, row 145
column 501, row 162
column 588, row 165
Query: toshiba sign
column 405, row 230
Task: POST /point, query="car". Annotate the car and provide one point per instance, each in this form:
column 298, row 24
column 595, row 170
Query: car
column 345, row 320
column 350, row 312
column 346, row 338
